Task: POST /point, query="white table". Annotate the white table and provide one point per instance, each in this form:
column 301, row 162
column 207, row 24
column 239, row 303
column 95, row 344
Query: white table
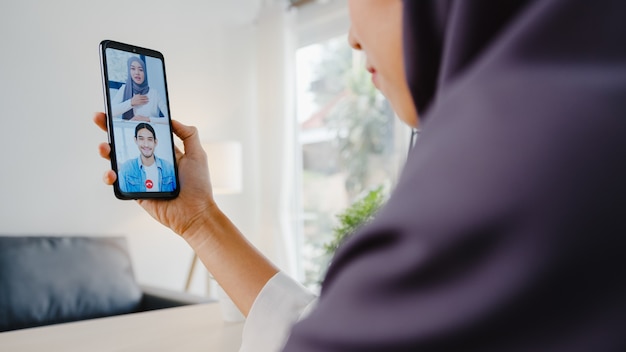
column 188, row 328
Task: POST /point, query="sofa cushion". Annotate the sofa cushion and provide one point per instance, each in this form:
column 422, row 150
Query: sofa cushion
column 48, row 280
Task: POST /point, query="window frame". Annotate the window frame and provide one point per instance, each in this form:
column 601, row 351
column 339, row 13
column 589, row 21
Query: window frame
column 318, row 22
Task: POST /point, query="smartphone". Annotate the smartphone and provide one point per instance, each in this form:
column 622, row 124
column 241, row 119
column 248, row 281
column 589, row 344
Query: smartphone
column 138, row 121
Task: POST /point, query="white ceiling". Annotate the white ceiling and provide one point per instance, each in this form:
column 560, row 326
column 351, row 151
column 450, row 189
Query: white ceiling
column 238, row 11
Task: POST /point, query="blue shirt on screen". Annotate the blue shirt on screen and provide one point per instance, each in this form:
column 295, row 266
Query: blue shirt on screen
column 132, row 177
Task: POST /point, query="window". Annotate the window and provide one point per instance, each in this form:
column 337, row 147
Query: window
column 350, row 142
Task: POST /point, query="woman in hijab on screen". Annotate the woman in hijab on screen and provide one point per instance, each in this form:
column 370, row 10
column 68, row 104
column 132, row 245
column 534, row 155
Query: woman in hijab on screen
column 506, row 229
column 136, row 100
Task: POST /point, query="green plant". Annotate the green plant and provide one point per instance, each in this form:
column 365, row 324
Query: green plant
column 352, row 218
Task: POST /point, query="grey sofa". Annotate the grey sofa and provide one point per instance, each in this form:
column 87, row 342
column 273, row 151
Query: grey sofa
column 50, row 279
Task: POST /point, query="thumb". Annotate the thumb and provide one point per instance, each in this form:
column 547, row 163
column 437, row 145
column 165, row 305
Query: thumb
column 189, row 135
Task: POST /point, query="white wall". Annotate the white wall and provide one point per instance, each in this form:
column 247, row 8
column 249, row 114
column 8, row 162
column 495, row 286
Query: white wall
column 50, row 173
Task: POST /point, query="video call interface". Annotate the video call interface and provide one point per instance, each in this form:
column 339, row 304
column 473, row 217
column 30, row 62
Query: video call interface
column 137, row 91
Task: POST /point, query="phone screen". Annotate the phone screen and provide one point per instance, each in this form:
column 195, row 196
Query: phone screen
column 138, row 121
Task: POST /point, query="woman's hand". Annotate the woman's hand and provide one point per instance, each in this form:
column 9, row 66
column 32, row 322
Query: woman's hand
column 241, row 270
column 195, row 200
column 139, row 100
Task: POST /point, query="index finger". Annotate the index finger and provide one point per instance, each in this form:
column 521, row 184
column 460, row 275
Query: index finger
column 100, row 119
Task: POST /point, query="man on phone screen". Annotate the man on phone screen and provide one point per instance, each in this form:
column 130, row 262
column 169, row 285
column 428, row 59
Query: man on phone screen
column 147, row 172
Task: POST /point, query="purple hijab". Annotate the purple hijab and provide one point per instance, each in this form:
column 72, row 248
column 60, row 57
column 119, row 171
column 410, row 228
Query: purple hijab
column 507, row 229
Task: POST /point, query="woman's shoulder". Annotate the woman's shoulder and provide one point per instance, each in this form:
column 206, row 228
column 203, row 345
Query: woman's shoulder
column 153, row 91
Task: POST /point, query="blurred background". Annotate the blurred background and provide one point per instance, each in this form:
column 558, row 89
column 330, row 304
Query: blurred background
column 276, row 77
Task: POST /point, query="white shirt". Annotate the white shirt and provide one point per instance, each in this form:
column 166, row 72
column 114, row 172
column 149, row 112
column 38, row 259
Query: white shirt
column 152, row 174
column 281, row 303
column 151, row 109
